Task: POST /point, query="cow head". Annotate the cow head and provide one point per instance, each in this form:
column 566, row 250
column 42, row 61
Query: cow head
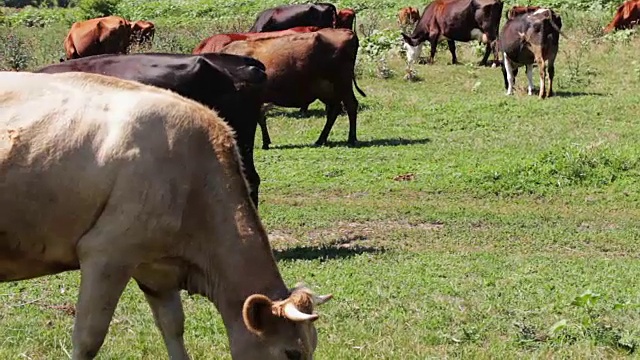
column 414, row 15
column 487, row 16
column 345, row 19
column 413, row 47
column 278, row 330
column 408, row 15
column 142, row 31
column 540, row 27
column 626, row 17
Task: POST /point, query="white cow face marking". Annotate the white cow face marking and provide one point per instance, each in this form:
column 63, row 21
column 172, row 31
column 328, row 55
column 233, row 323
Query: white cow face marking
column 413, row 52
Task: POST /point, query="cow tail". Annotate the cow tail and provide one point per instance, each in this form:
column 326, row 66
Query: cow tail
column 357, row 87
column 354, row 24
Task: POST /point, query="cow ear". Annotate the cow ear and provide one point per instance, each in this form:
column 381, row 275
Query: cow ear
column 256, row 313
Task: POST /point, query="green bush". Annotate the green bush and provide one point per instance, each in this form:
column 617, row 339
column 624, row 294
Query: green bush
column 34, row 17
column 98, row 8
column 14, row 55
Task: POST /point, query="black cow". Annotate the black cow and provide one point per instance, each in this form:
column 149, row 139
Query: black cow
column 287, row 16
column 456, row 20
column 526, row 39
column 229, row 84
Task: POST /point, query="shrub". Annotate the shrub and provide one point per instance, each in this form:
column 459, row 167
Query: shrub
column 98, row 8
column 15, row 53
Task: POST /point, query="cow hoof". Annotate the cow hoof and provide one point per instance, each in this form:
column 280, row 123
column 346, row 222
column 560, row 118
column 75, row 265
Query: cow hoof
column 318, row 144
column 265, row 147
column 494, row 65
column 352, row 143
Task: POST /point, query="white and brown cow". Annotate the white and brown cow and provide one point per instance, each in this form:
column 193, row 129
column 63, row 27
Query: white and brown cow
column 122, row 180
column 527, row 39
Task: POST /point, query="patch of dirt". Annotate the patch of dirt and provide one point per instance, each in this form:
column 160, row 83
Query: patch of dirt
column 66, row 308
column 348, row 234
column 405, row 177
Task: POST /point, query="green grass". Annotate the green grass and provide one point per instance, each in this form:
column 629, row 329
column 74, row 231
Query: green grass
column 513, row 208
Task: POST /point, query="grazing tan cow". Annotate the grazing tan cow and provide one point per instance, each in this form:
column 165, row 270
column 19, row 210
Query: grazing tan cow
column 122, row 180
column 105, row 35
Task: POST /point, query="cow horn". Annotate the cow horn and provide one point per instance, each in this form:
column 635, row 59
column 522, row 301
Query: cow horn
column 292, row 313
column 321, row 299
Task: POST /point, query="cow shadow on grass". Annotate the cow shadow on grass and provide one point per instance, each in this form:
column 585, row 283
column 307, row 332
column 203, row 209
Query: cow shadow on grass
column 314, row 112
column 336, row 250
column 562, row 94
column 296, row 114
column 359, row 144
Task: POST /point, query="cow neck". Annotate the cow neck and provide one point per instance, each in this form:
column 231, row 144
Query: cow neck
column 241, row 263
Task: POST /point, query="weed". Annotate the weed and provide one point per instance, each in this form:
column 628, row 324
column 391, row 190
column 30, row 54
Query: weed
column 15, row 53
column 578, row 73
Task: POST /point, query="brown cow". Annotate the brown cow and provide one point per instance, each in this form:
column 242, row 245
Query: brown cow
column 304, row 67
column 142, row 32
column 105, row 35
column 456, row 20
column 217, row 42
column 127, row 181
column 345, row 19
column 408, row 16
column 626, row 17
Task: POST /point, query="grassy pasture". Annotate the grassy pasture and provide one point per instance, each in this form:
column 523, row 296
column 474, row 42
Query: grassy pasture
column 466, row 224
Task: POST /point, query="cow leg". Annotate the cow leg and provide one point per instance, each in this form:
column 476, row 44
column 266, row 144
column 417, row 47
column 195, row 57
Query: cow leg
column 249, row 168
column 530, row 78
column 266, row 139
column 304, row 109
column 101, row 284
column 543, row 74
column 552, row 72
column 510, row 76
column 169, row 318
column 351, row 104
column 434, row 46
column 333, row 109
column 496, row 53
column 485, row 57
column 452, row 49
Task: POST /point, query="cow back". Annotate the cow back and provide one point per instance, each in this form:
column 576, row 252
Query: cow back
column 107, row 35
column 216, row 43
column 288, row 16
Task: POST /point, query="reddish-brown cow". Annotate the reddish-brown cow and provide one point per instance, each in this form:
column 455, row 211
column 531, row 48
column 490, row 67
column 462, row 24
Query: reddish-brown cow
column 408, row 16
column 345, row 19
column 215, row 43
column 142, row 31
column 304, row 67
column 626, row 17
column 105, row 35
column 456, row 20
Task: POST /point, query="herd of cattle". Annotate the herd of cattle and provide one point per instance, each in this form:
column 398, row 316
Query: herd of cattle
column 114, row 163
